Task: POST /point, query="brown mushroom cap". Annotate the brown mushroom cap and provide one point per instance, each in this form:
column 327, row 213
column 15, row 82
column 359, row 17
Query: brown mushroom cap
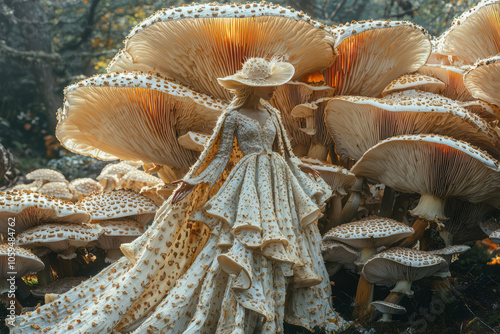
column 29, row 209
column 474, row 34
column 46, row 175
column 59, row 237
column 57, row 189
column 482, row 80
column 134, row 116
column 402, row 264
column 119, row 204
column 374, row 53
column 24, row 261
column 495, row 237
column 358, row 123
column 415, row 81
column 433, row 165
column 196, row 44
column 372, row 232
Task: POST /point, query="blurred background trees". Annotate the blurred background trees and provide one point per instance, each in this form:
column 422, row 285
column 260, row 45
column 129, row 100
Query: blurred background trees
column 46, row 45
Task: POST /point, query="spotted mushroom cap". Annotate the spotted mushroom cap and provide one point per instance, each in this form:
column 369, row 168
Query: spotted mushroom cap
column 24, row 261
column 29, row 209
column 337, row 177
column 474, row 34
column 482, row 80
column 84, row 186
column 368, row 58
column 415, row 81
column 399, row 263
column 489, row 226
column 358, row 123
column 137, row 179
column 434, row 165
column 196, row 44
column 371, row 232
column 388, row 308
column 46, row 175
column 58, row 237
column 134, row 116
column 57, row 189
column 452, row 77
column 118, row 232
column 495, row 237
column 119, row 204
column 334, row 251
column 450, row 251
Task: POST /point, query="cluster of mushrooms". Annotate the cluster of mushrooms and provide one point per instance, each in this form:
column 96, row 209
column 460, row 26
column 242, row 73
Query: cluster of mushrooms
column 54, row 219
column 383, row 110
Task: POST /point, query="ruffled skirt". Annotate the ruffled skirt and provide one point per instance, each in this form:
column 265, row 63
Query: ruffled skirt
column 260, row 265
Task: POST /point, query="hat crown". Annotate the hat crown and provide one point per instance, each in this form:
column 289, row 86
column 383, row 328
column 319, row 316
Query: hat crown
column 257, row 69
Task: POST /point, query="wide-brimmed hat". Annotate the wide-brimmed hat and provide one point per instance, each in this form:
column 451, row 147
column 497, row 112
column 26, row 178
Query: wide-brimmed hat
column 259, row 72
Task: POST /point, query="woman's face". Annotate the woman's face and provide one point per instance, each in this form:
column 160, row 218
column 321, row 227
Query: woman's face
column 265, row 93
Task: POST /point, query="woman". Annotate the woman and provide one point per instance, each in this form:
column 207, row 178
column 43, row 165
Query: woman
column 236, row 248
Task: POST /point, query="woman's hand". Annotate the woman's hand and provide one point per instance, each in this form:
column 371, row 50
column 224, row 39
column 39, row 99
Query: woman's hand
column 182, row 191
column 309, row 170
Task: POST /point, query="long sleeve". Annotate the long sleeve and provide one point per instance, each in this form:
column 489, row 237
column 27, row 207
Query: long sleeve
column 213, row 171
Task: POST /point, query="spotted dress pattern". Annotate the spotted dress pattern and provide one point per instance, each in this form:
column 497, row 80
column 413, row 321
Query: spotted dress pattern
column 240, row 254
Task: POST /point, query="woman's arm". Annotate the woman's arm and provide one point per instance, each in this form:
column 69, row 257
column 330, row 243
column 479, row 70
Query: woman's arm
column 213, row 171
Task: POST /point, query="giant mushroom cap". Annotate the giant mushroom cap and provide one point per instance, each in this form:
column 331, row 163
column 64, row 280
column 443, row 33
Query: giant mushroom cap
column 196, row 44
column 119, row 204
column 136, row 117
column 435, row 166
column 83, row 187
column 116, row 233
column 482, row 80
column 29, row 209
column 337, row 177
column 402, row 265
column 137, row 179
column 452, row 77
column 374, row 53
column 358, row 123
column 474, row 34
column 387, row 309
column 415, row 81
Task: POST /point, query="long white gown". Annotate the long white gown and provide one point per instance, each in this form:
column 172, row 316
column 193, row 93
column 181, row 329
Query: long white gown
column 240, row 254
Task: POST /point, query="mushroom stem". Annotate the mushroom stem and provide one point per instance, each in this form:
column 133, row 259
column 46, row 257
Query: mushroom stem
column 387, row 202
column 420, row 225
column 430, row 208
column 446, row 236
column 402, row 286
column 364, row 296
column 365, row 254
column 334, row 212
column 400, row 207
column 351, row 207
column 386, row 317
column 318, row 151
column 395, row 297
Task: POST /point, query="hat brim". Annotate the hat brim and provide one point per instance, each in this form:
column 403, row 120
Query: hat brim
column 282, row 73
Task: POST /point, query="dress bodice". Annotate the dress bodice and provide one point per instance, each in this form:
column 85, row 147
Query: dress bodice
column 253, row 137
